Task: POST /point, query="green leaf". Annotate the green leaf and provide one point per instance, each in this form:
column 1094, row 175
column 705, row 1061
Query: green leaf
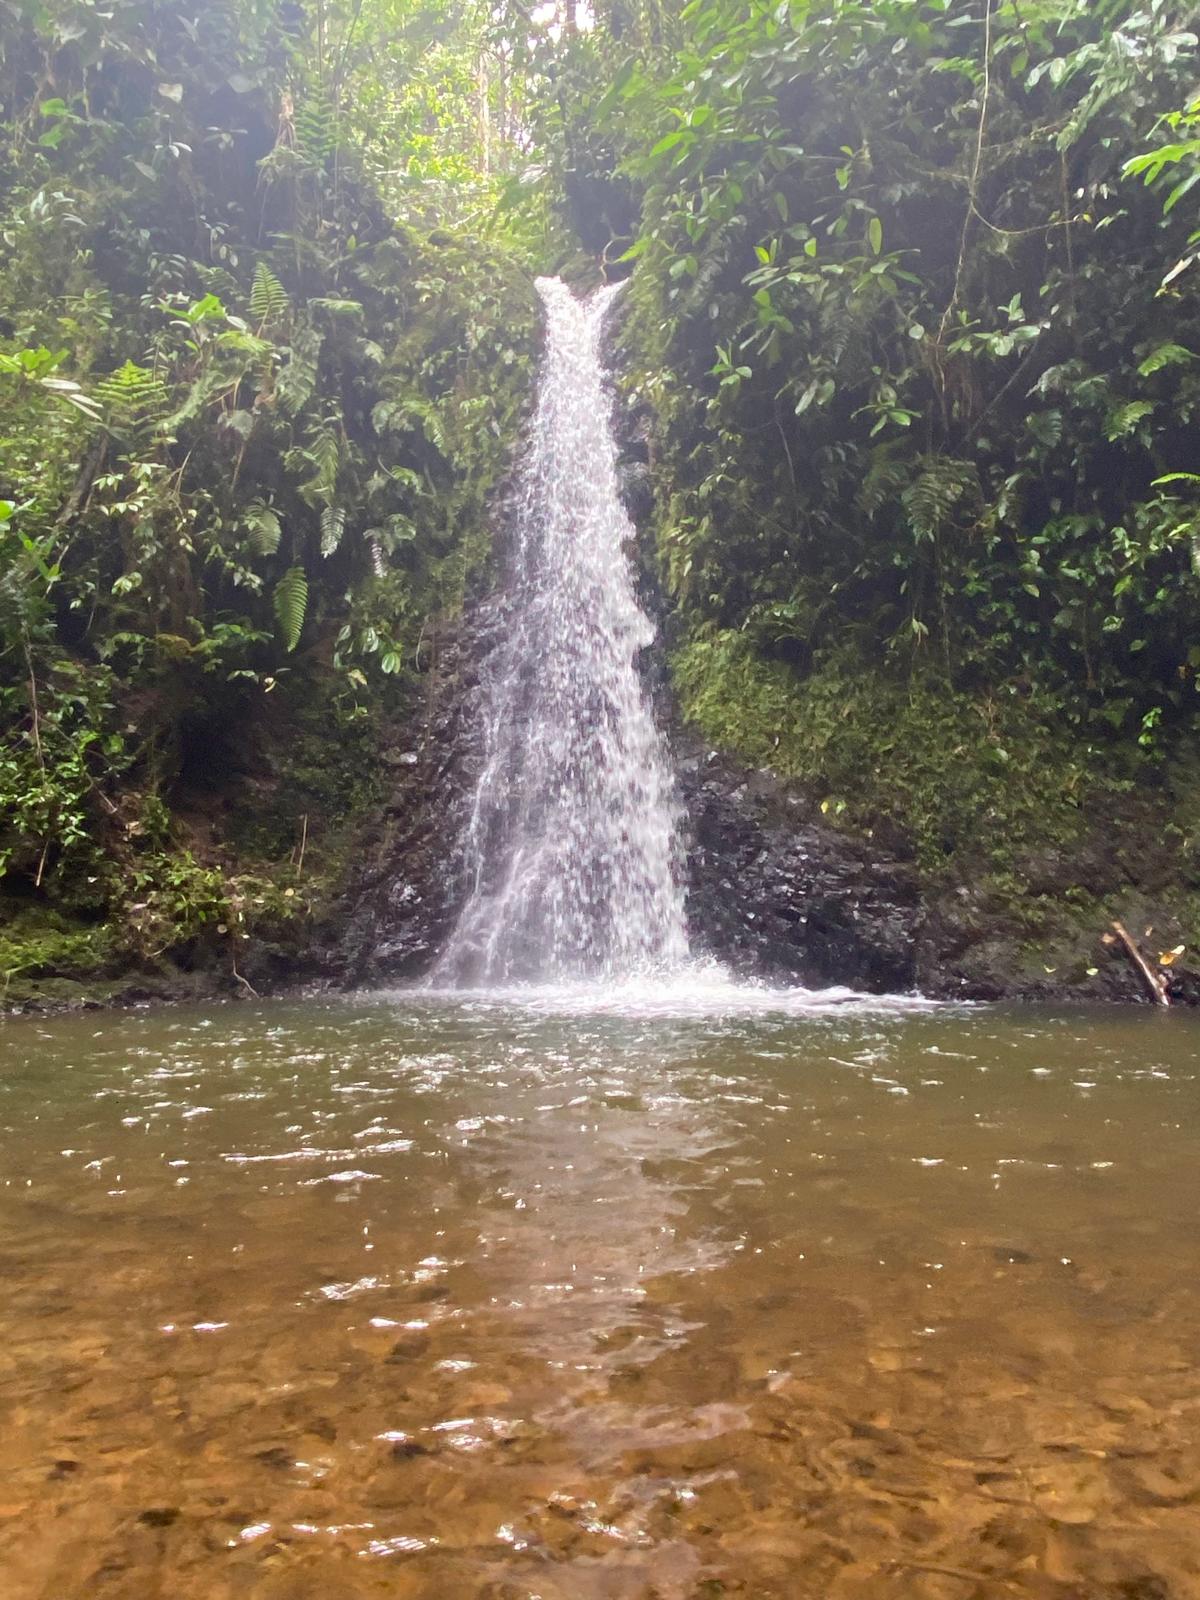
column 1163, row 355
column 262, row 523
column 333, row 525
column 668, row 142
column 268, row 298
column 875, row 235
column 1184, row 186
column 290, row 602
column 618, row 88
column 636, row 249
column 1124, row 419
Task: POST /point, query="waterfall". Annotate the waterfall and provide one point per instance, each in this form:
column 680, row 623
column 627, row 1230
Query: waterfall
column 572, row 847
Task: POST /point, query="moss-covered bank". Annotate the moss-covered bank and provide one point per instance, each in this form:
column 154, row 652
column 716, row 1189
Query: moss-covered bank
column 1027, row 840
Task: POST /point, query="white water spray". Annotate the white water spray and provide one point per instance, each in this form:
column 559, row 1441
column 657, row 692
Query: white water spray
column 572, row 850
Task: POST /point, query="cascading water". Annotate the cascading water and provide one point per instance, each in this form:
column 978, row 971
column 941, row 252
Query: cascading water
column 571, row 849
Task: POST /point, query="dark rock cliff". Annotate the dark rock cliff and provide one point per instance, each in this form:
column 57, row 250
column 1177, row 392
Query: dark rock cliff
column 406, row 889
column 775, row 895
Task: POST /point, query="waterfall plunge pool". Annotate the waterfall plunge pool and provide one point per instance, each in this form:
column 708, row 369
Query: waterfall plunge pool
column 463, row 1297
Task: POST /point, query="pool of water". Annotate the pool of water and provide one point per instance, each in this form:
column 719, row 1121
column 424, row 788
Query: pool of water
column 522, row 1297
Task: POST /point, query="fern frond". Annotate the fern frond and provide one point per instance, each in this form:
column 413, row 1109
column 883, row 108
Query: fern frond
column 268, row 298
column 134, row 398
column 1046, row 427
column 290, row 601
column 217, row 280
column 411, row 413
column 1011, row 501
column 262, row 523
column 337, row 308
column 1123, row 420
column 298, row 379
column 197, row 398
column 320, row 457
column 842, row 335
column 884, row 481
column 333, row 525
column 316, row 128
column 1163, row 355
column 938, row 498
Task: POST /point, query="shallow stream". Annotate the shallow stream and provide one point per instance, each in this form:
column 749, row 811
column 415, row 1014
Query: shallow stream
column 534, row 1297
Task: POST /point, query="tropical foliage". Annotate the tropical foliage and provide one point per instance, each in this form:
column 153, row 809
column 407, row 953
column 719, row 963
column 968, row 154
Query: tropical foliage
column 251, row 413
column 927, row 352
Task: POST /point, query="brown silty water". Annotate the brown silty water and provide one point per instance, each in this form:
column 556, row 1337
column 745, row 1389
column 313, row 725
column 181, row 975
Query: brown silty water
column 414, row 1298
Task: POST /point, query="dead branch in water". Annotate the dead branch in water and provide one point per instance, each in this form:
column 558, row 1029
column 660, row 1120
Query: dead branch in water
column 1156, row 982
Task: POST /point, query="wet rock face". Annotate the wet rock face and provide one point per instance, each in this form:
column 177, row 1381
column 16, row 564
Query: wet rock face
column 776, row 895
column 408, row 889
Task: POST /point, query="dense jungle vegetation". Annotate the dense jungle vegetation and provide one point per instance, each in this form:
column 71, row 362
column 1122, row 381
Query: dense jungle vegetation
column 913, row 339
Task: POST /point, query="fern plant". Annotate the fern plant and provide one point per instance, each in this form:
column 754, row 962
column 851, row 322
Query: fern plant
column 298, row 380
column 269, row 303
column 290, row 603
column 316, row 128
column 1123, row 420
column 134, row 399
column 263, row 526
column 333, row 525
column 884, row 480
column 939, row 496
column 320, row 457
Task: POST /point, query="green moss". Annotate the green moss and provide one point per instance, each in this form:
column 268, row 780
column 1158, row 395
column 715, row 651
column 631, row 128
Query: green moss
column 956, row 777
column 40, row 947
column 318, row 761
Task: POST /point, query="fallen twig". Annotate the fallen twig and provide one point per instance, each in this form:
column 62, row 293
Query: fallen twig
column 245, row 982
column 1156, row 982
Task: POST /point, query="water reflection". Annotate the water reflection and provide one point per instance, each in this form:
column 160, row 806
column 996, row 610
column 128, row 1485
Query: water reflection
column 494, row 1299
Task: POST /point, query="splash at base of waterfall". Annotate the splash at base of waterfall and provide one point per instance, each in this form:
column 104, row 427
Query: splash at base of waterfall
column 695, row 988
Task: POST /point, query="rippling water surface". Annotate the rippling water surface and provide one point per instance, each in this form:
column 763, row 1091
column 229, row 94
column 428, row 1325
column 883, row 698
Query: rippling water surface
column 516, row 1297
